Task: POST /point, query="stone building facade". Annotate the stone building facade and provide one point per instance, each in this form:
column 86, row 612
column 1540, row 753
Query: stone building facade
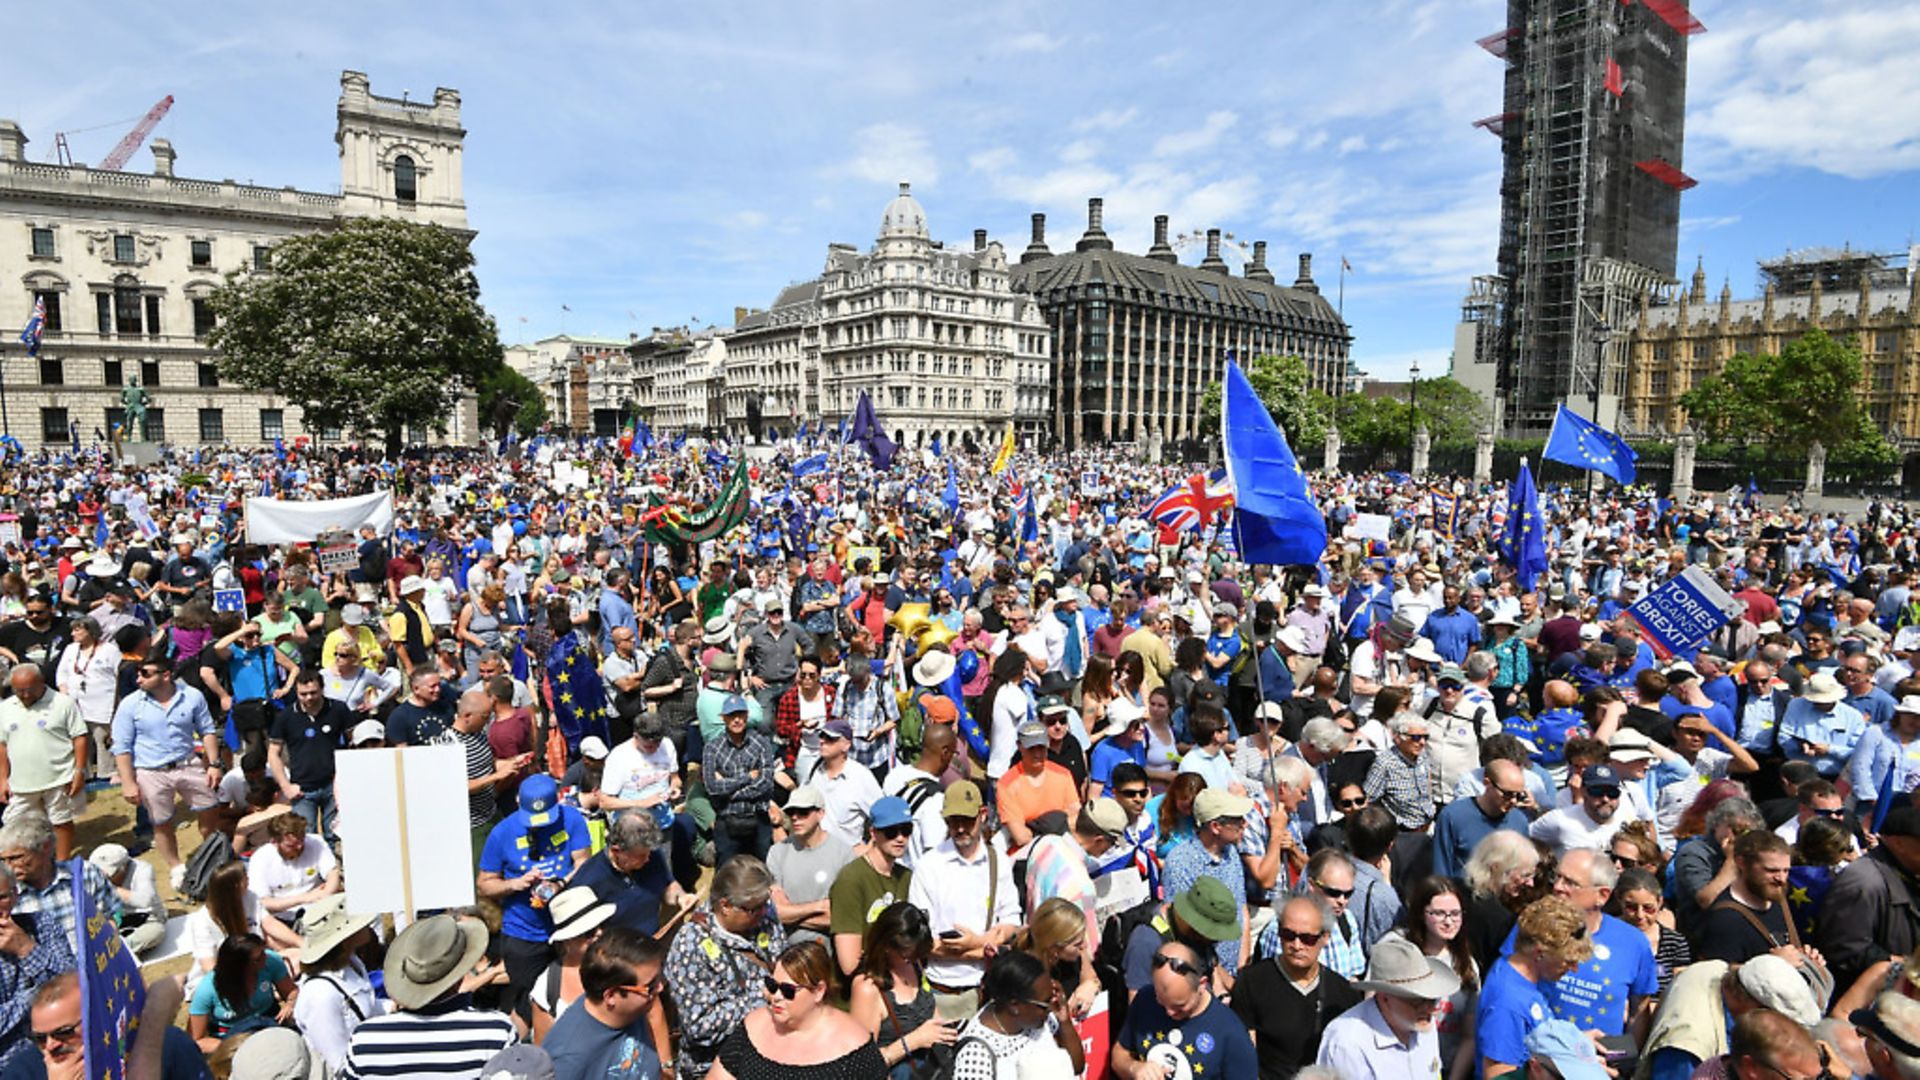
column 1675, row 346
column 935, row 336
column 587, row 383
column 125, row 263
column 1139, row 338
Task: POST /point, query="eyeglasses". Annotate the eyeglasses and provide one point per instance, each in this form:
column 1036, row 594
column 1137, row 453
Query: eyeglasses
column 802, row 811
column 1450, row 687
column 1179, row 966
column 148, row 673
column 1447, row 915
column 1836, row 813
column 67, row 1034
column 1332, row 893
column 1130, row 793
column 784, row 989
column 1301, row 936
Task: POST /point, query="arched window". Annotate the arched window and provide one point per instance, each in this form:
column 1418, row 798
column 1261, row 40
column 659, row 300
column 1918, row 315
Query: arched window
column 404, row 187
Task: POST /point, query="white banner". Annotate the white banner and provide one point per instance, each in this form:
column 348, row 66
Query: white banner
column 283, row 521
column 1372, row 526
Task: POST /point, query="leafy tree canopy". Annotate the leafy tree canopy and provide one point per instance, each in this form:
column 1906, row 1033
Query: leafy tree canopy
column 371, row 326
column 509, row 399
column 1807, row 394
column 1452, row 413
column 1286, row 389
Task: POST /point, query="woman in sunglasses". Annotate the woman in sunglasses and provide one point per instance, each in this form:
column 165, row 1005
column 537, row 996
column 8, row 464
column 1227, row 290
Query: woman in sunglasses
column 798, row 1029
column 891, row 997
column 1023, row 1017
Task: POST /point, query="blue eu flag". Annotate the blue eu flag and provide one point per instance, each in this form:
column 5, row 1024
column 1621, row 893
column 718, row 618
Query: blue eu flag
column 1583, row 444
column 951, row 497
column 1525, row 542
column 111, row 989
column 1275, row 519
column 807, row 466
column 579, row 697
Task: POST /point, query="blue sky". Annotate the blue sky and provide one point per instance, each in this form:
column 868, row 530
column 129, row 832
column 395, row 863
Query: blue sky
column 656, row 164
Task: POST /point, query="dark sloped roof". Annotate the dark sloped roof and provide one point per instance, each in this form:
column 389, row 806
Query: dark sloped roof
column 1122, row 272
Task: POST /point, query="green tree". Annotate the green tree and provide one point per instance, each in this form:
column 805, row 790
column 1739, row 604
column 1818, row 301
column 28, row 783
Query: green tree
column 1286, row 389
column 372, row 326
column 1452, row 413
column 509, row 399
column 1807, row 394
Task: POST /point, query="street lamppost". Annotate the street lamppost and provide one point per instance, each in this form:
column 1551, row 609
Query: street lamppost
column 1413, row 408
column 1600, row 334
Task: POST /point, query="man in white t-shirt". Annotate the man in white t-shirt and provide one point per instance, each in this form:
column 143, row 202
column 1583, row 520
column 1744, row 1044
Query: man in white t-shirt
column 919, row 784
column 642, row 772
column 1592, row 822
column 848, row 786
column 293, row 870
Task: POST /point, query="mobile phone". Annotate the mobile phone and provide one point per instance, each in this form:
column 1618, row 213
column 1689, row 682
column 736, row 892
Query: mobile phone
column 949, row 935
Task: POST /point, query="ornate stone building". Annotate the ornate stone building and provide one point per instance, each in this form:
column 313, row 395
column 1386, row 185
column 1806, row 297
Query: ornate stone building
column 1138, row 338
column 588, row 383
column 125, row 263
column 936, row 336
column 1676, row 345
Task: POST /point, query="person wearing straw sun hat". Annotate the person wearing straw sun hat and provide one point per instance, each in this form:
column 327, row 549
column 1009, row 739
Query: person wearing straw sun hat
column 578, row 914
column 1821, row 727
column 1392, row 1033
column 436, row 1029
column 336, row 994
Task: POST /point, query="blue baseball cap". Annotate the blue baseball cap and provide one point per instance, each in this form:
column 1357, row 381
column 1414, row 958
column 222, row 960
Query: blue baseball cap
column 539, row 800
column 1601, row 776
column 889, row 811
column 1572, row 1053
column 734, row 704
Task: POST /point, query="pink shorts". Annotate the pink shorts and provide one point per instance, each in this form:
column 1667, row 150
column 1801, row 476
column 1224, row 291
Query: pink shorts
column 161, row 788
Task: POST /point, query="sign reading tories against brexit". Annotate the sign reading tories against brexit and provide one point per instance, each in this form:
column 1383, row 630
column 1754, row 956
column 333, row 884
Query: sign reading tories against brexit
column 1679, row 615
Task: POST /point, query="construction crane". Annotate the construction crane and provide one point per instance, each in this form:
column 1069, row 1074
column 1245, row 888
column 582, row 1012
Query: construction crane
column 116, row 160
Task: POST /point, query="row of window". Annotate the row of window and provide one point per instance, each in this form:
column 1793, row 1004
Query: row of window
column 199, row 252
column 59, row 425
column 125, row 311
column 53, row 372
column 1883, row 341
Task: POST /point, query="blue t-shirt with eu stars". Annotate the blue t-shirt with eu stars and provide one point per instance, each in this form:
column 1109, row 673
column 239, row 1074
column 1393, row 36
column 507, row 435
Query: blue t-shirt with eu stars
column 1596, row 994
column 513, row 848
column 1214, row 1043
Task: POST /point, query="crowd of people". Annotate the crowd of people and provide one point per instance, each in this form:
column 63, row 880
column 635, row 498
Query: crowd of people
column 890, row 781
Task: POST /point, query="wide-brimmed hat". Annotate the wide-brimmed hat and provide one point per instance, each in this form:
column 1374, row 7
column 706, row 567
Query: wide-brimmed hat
column 276, row 1054
column 103, row 565
column 429, row 957
column 1209, row 908
column 327, row 924
column 1294, row 638
column 1571, row 1050
column 1629, row 745
column 411, row 584
column 1503, row 619
column 933, row 668
column 577, row 911
column 1399, row 968
column 1422, row 649
column 1824, row 689
column 719, row 631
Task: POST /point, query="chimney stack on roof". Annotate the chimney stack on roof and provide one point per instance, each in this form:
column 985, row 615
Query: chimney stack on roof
column 1257, row 269
column 979, row 239
column 13, row 142
column 1213, row 261
column 1096, row 237
column 162, row 157
column 1305, row 281
column 1037, row 247
column 1161, row 251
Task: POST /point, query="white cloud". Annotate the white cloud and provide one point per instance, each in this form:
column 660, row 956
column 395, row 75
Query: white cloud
column 1170, row 58
column 1034, row 41
column 1080, row 150
column 1107, row 120
column 1197, row 139
column 1708, row 224
column 746, row 220
column 994, row 159
column 887, row 153
column 1280, row 138
column 1352, row 144
column 1784, row 89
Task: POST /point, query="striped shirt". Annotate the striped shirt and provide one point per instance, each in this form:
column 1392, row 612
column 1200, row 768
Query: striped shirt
column 480, row 763
column 449, row 1038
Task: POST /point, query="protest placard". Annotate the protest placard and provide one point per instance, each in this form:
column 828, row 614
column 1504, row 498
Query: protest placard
column 230, row 600
column 111, row 988
column 396, row 811
column 1679, row 615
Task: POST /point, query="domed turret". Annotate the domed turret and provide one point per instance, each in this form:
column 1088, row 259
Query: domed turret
column 905, row 218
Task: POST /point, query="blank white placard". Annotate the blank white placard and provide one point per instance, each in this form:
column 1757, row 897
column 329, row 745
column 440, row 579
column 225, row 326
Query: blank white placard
column 430, row 865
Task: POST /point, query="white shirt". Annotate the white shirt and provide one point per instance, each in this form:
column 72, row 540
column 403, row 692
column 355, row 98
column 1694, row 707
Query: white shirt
column 204, row 935
column 88, row 676
column 849, row 798
column 954, row 893
column 1569, row 827
column 929, row 825
column 1358, row 1045
column 324, row 1017
column 269, row 875
column 632, row 773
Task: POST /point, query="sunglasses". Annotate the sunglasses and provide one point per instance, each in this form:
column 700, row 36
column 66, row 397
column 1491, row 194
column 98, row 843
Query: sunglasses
column 1351, row 804
column 802, row 811
column 1415, row 738
column 1835, row 813
column 67, row 1034
column 1604, row 794
column 1509, row 796
column 895, row 832
column 1301, row 937
column 1332, row 893
column 1179, row 966
column 784, row 989
column 1130, row 793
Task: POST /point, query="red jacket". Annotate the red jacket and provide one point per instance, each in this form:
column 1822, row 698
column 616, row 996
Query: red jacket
column 786, row 722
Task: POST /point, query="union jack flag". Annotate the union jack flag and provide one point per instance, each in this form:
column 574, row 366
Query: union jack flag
column 1025, row 526
column 36, row 327
column 1194, row 502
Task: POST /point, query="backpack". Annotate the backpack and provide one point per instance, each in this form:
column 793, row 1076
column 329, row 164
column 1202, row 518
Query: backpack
column 912, row 730
column 918, row 792
column 213, row 853
column 1110, row 958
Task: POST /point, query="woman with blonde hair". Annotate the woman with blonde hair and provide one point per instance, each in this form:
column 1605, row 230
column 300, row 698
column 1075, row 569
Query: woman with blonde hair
column 1056, row 935
column 1499, row 877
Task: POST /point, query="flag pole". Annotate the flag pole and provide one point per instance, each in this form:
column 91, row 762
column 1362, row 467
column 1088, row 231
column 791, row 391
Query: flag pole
column 1340, row 305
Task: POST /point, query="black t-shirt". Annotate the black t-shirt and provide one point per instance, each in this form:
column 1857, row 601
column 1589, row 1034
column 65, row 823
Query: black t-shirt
column 1727, row 934
column 187, row 573
column 310, row 741
column 1286, row 1024
column 416, row 726
column 635, row 897
column 32, row 646
column 1652, row 723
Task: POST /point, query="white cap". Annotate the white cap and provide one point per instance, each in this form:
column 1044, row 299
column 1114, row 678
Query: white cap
column 367, row 731
column 593, row 748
